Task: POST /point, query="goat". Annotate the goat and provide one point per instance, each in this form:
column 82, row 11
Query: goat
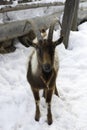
column 42, row 70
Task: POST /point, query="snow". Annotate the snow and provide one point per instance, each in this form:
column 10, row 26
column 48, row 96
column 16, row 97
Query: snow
column 17, row 106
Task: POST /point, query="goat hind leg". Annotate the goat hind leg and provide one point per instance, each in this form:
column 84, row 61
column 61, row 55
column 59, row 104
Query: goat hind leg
column 56, row 91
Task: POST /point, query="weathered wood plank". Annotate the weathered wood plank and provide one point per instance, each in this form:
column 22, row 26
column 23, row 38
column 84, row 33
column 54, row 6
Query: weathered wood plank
column 16, row 28
column 33, row 5
column 28, row 6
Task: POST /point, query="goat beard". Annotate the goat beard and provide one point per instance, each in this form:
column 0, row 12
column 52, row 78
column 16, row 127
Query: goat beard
column 47, row 75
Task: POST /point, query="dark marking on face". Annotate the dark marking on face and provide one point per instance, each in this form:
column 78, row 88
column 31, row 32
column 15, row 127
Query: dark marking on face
column 45, row 54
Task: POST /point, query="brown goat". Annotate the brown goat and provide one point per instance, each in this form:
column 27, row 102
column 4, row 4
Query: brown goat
column 42, row 70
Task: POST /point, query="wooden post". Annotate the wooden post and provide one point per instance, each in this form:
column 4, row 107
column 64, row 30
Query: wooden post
column 69, row 18
column 75, row 18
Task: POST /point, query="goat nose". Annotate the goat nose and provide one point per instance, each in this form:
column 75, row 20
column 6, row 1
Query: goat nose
column 47, row 68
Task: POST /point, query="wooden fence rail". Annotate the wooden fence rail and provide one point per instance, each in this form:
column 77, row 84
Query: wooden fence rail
column 14, row 29
column 28, row 6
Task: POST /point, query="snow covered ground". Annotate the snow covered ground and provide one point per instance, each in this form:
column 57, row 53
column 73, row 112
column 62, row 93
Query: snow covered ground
column 17, row 106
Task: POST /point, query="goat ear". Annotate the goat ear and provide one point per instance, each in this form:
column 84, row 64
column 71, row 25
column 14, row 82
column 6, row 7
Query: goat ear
column 32, row 44
column 59, row 41
column 24, row 41
column 29, row 43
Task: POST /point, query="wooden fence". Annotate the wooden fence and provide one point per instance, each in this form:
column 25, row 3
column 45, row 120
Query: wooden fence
column 15, row 28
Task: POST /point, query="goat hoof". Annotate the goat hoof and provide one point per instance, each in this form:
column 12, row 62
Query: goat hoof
column 37, row 117
column 50, row 121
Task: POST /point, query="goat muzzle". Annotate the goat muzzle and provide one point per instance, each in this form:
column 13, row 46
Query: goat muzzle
column 46, row 68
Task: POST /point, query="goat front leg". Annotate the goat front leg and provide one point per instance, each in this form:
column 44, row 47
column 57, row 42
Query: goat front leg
column 37, row 100
column 49, row 94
